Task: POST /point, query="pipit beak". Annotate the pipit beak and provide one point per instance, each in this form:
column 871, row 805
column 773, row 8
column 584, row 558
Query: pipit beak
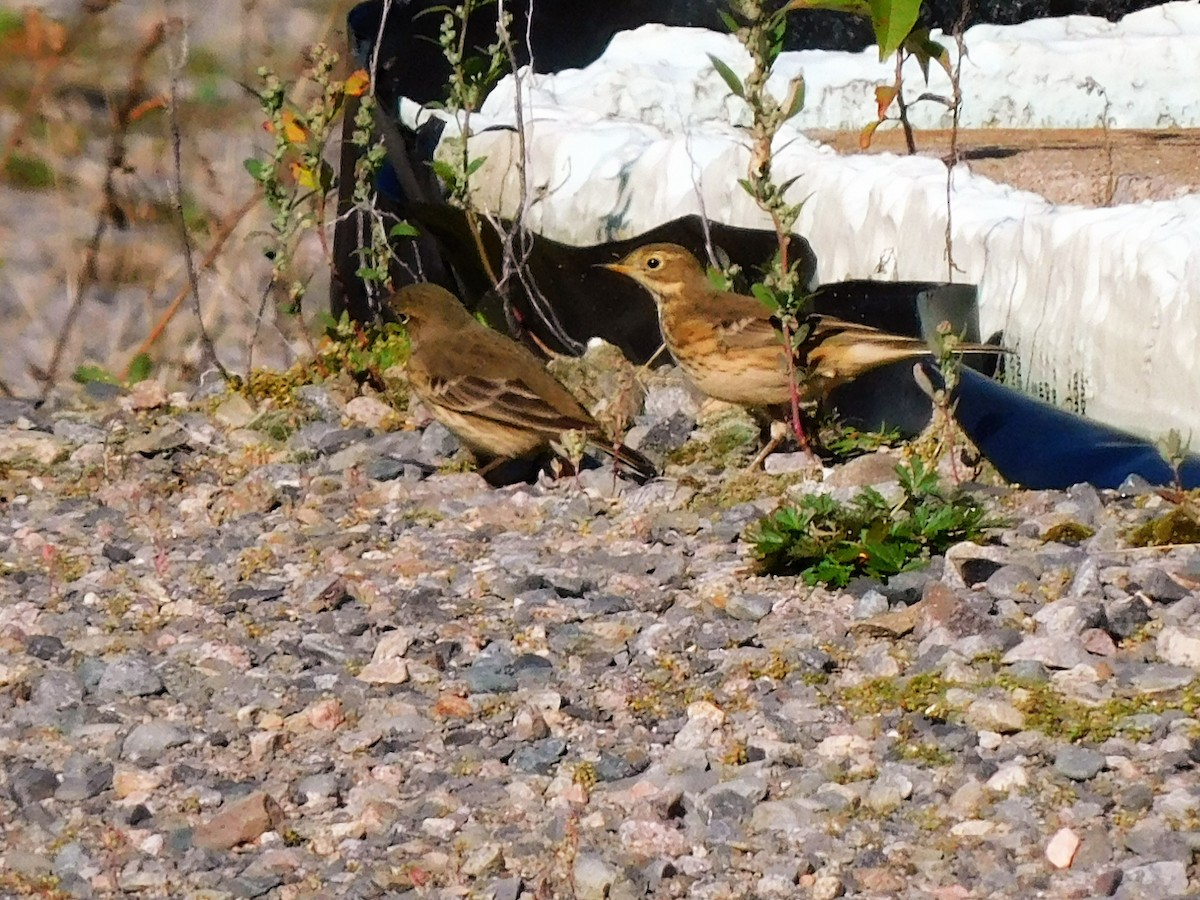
column 614, row 267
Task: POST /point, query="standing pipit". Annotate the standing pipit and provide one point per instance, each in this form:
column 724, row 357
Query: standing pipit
column 494, row 394
column 732, row 348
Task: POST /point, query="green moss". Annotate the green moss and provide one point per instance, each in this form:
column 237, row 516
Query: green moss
column 1179, row 525
column 1044, row 708
column 731, row 445
column 1072, row 533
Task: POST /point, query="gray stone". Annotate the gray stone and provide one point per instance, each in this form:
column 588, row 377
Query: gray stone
column 486, row 677
column 1012, row 582
column 72, row 859
column 1126, row 615
column 668, row 434
column 1078, row 763
column 148, row 740
column 318, row 401
column 1068, row 618
column 539, row 757
column 1052, row 652
column 46, row 647
column 1156, row 584
column 57, row 690
column 30, row 784
column 624, row 764
column 130, row 676
column 872, row 603
column 592, row 877
column 437, row 444
column 1154, row 881
column 887, row 792
column 748, row 607
column 505, row 889
column 83, row 777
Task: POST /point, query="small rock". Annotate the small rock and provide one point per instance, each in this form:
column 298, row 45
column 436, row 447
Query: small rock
column 864, row 471
column 1061, row 849
column 872, row 603
column 1154, row 881
column 370, row 412
column 150, row 739
column 785, row 463
column 130, row 676
column 1126, row 615
column 83, row 777
column 827, row 887
column 993, row 714
column 1078, row 763
column 31, row 784
column 592, row 877
column 34, row 446
column 748, row 607
column 539, row 757
column 235, row 411
column 1179, row 646
column 703, row 719
column 146, row 395
column 529, row 725
column 243, row 822
column 888, row 792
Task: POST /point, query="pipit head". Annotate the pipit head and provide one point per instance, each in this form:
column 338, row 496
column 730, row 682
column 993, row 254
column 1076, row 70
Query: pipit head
column 666, row 270
column 422, row 307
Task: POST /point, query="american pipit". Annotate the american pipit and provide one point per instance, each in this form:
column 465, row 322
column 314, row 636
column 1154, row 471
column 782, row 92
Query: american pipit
column 732, row 348
column 494, row 394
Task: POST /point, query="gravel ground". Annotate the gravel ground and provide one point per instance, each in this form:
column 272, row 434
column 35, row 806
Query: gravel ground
column 234, row 667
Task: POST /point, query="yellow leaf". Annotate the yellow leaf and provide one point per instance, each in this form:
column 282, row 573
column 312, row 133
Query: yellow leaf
column 293, row 130
column 357, row 83
column 304, row 177
column 884, row 95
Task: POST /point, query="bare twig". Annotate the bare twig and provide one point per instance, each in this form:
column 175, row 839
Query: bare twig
column 952, row 158
column 224, row 230
column 208, row 351
column 115, row 161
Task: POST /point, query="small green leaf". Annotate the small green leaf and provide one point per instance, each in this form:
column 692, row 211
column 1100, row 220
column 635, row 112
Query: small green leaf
column 140, row 368
column 473, row 165
column 892, row 20
column 765, row 296
column 404, row 229
column 444, row 171
column 729, row 77
column 255, row 167
column 730, row 21
column 87, row 374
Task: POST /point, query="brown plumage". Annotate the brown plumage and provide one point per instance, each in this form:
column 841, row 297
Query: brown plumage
column 494, row 394
column 731, row 346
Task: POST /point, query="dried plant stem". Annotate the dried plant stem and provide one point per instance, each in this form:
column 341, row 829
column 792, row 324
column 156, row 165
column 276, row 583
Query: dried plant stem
column 122, row 118
column 952, row 158
column 208, row 351
column 224, row 231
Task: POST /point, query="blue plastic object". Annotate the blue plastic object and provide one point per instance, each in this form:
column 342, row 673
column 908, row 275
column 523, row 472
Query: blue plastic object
column 1040, row 446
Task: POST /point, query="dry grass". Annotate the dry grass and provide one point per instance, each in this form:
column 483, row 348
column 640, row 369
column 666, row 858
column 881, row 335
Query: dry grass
column 88, row 218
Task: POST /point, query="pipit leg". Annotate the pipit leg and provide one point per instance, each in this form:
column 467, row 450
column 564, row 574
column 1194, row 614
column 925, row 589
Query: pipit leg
column 779, row 433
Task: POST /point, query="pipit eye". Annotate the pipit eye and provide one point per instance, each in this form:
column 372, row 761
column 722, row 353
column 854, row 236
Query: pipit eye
column 653, row 262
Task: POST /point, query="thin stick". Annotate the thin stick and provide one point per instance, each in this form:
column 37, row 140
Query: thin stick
column 208, row 351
